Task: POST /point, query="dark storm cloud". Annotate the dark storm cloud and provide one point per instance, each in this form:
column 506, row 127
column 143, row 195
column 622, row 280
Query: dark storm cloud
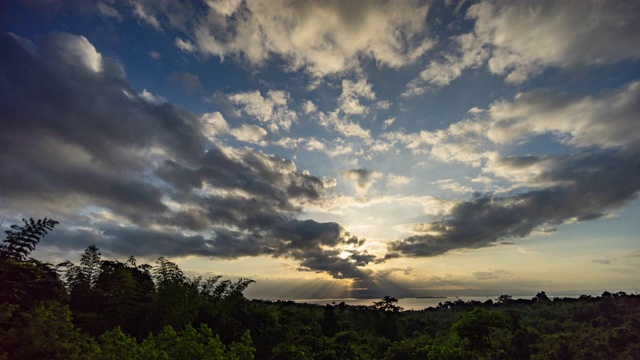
column 311, row 243
column 331, row 263
column 71, row 131
column 316, row 246
column 586, row 185
column 76, row 135
column 261, row 188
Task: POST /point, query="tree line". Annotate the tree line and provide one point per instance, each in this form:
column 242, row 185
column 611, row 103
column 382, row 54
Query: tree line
column 108, row 309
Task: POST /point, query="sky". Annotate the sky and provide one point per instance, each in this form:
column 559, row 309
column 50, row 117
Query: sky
column 331, row 148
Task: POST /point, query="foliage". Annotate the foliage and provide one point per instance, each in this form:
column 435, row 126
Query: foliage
column 388, row 303
column 476, row 327
column 45, row 332
column 107, row 309
column 22, row 240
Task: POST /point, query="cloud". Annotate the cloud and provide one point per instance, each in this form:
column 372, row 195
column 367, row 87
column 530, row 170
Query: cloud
column 602, row 261
column 520, row 39
column 397, row 180
column 272, row 110
column 361, row 178
column 151, row 98
column 463, row 142
column 306, row 241
column 452, row 185
column 309, row 107
column 213, row 125
column 185, row 46
column 343, row 125
column 250, row 133
column 579, row 121
column 334, row 148
column 82, row 144
column 490, row 274
column 383, row 104
column 604, row 120
column 587, row 184
column 351, row 93
column 349, row 104
column 388, row 123
column 321, row 39
column 66, row 50
column 468, row 52
column 108, row 11
column 143, row 177
column 160, row 14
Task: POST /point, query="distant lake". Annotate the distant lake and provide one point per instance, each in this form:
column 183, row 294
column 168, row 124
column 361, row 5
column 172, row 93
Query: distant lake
column 423, row 303
column 405, row 303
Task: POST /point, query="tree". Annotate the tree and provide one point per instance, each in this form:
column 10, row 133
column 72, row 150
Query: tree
column 167, row 272
column 22, row 240
column 541, row 297
column 477, row 325
column 23, row 281
column 388, row 303
column 46, row 332
column 114, row 344
column 85, row 299
column 125, row 295
column 90, row 265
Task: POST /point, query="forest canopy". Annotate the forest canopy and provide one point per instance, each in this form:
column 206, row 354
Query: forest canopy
column 111, row 309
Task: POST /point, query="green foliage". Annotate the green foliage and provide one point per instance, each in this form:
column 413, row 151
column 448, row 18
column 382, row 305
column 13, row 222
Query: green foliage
column 45, row 332
column 27, row 283
column 116, row 345
column 22, row 240
column 476, row 327
column 123, row 310
column 242, row 350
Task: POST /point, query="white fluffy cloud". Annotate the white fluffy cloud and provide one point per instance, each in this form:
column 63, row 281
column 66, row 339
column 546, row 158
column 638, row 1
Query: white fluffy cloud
column 397, row 180
column 309, row 107
column 519, row 39
column 530, row 36
column 343, row 125
column 214, row 124
column 320, row 38
column 463, row 142
column 352, row 92
column 249, row 133
column 271, row 110
column 69, row 50
column 610, row 119
column 468, row 51
column 606, row 120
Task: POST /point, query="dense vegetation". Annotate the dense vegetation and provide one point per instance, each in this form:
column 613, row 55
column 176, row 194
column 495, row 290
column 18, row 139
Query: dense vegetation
column 104, row 309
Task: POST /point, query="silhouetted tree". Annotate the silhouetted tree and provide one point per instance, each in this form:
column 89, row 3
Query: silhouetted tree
column 22, row 240
column 541, row 297
column 388, row 303
column 23, row 281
